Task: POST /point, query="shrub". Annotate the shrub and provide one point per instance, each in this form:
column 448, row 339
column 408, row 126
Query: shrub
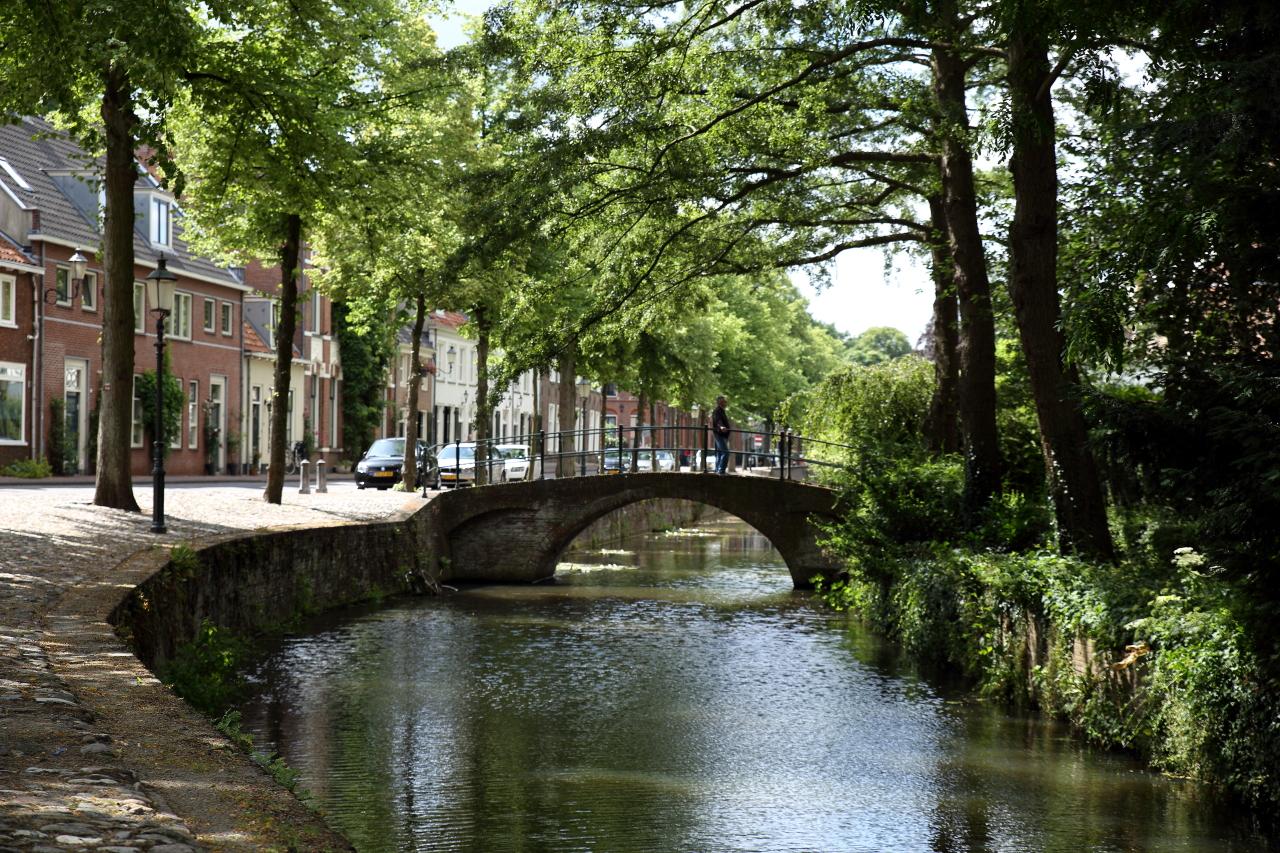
column 29, row 469
column 58, row 436
column 206, row 671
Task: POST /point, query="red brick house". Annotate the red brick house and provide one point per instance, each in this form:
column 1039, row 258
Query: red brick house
column 50, row 207
column 316, row 378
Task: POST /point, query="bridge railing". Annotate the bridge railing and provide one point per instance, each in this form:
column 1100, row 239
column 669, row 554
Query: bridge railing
column 625, row 450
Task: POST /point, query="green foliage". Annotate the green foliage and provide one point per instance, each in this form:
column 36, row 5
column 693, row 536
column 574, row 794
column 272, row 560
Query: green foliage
column 877, row 345
column 206, row 671
column 274, row 764
column 184, row 561
column 1196, row 699
column 873, row 409
column 175, row 400
column 58, row 437
column 365, row 359
column 28, row 469
column 1213, row 706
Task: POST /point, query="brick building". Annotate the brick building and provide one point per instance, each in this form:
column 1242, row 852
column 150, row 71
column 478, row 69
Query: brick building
column 316, row 375
column 50, row 208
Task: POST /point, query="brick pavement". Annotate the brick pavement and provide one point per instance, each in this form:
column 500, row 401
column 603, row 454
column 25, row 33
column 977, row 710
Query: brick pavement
column 65, row 783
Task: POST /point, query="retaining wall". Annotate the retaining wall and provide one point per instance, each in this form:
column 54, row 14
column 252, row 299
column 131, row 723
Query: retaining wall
column 264, row 582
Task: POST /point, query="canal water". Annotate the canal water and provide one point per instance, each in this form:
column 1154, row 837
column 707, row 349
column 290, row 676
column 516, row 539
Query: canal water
column 675, row 694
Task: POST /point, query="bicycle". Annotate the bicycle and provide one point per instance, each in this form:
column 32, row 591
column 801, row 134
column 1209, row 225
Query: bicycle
column 294, row 459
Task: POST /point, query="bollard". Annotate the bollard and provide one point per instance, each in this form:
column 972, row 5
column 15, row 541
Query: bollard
column 321, row 486
column 304, row 478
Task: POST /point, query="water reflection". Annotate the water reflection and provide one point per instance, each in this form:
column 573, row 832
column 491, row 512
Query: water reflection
column 680, row 697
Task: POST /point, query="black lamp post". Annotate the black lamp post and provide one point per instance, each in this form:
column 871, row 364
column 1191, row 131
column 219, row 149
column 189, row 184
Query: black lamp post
column 160, row 286
column 584, row 394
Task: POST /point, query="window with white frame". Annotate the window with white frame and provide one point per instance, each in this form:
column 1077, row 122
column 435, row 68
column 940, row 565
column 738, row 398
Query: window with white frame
column 62, row 285
column 139, row 307
column 160, row 235
column 135, row 432
column 175, row 443
column 225, row 308
column 209, row 306
column 13, row 403
column 193, row 414
column 89, row 292
column 8, row 301
column 178, row 323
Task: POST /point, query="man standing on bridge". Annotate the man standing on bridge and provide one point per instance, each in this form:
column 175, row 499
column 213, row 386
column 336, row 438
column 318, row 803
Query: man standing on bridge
column 721, row 429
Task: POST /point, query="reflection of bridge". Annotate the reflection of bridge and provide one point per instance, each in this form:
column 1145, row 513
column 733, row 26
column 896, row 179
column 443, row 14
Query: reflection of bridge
column 516, row 532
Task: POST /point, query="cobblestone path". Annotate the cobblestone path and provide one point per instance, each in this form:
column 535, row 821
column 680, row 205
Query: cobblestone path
column 65, row 781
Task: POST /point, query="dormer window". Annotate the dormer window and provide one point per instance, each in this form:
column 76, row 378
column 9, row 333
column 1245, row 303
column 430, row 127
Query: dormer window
column 160, row 224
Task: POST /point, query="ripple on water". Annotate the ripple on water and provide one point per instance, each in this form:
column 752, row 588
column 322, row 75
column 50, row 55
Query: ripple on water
column 689, row 702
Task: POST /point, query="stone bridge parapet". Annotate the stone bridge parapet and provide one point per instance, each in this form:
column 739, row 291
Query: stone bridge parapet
column 516, row 532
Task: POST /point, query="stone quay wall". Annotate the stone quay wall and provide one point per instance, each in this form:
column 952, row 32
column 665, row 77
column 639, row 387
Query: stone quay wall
column 263, row 583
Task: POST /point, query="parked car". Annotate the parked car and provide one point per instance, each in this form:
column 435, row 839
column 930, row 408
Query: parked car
column 455, row 464
column 613, row 461
column 382, row 464
column 618, row 462
column 515, row 462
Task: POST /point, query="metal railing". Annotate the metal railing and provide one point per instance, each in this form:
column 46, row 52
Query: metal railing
column 623, row 450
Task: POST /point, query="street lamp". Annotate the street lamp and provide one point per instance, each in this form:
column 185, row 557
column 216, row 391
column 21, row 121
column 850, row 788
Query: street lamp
column 79, row 268
column 584, row 393
column 160, row 286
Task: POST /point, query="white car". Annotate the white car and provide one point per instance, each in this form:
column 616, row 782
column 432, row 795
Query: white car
column 455, row 464
column 515, row 462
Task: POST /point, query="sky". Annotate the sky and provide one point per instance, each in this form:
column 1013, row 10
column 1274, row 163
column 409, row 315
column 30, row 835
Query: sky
column 861, row 294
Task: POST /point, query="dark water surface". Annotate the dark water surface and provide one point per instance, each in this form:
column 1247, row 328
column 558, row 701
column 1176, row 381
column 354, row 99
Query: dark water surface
column 677, row 695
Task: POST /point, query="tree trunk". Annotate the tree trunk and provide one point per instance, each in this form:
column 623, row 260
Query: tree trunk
column 290, row 252
column 942, row 425
column 484, row 409
column 1033, row 255
column 657, row 436
column 637, row 440
column 566, row 398
column 976, row 390
column 604, row 422
column 114, row 486
column 409, row 472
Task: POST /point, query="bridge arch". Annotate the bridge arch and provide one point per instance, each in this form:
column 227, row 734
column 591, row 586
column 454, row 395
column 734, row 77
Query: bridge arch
column 516, row 532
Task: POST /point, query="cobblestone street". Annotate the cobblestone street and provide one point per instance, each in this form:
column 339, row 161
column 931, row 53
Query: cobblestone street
column 66, row 782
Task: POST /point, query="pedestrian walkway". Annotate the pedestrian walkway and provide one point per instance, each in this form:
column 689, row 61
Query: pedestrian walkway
column 69, row 782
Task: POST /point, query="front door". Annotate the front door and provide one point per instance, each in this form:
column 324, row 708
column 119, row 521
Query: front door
column 75, row 394
column 218, row 416
column 255, row 426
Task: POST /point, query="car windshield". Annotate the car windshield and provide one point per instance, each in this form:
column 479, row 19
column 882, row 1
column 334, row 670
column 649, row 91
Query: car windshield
column 509, row 452
column 445, row 456
column 387, row 447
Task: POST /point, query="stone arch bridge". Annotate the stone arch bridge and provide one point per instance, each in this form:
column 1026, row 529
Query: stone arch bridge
column 516, row 532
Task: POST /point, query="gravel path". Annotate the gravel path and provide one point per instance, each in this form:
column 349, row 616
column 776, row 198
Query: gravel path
column 66, row 780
